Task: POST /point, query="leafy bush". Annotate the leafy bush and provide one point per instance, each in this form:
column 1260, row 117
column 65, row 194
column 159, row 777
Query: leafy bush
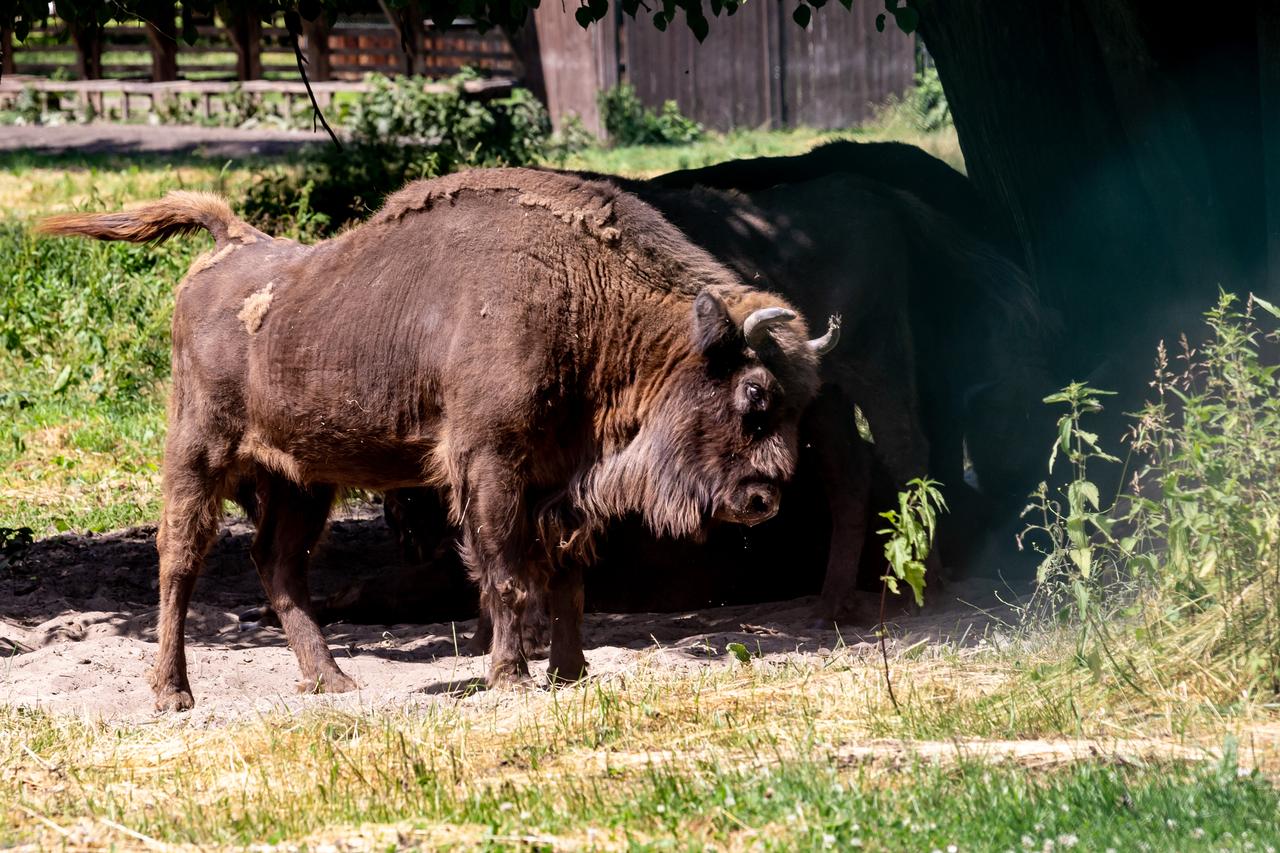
column 630, row 122
column 921, row 108
column 399, row 132
column 1192, row 551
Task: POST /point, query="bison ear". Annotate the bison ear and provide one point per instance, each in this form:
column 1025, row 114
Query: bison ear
column 712, row 326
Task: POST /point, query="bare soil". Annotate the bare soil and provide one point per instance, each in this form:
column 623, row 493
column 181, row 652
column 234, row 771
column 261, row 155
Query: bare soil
column 77, row 628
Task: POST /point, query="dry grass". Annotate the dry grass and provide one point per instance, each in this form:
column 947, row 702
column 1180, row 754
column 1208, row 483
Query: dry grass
column 584, row 767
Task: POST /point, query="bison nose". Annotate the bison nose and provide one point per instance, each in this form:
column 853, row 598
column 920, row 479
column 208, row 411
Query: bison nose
column 760, row 503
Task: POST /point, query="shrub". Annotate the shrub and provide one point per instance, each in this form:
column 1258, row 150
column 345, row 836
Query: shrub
column 398, row 133
column 921, row 108
column 630, row 122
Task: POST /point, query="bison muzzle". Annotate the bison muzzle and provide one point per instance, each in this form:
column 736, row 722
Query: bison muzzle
column 548, row 351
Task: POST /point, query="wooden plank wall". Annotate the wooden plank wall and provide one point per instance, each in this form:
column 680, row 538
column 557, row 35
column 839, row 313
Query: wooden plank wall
column 755, row 69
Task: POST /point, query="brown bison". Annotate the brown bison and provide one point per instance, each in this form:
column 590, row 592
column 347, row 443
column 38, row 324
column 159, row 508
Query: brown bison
column 547, row 350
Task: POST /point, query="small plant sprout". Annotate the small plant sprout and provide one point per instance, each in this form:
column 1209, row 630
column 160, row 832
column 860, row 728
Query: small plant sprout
column 910, row 532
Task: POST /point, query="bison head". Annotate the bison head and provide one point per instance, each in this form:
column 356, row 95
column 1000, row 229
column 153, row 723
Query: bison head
column 743, row 400
column 717, row 437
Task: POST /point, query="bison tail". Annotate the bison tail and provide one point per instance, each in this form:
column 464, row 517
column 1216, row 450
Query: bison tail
column 180, row 212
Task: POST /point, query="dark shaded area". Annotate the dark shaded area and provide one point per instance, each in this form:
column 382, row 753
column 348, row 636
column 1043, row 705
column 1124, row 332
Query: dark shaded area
column 1130, row 144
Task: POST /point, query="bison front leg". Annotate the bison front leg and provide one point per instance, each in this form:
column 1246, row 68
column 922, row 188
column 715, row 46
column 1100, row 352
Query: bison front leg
column 496, row 548
column 566, row 599
column 290, row 521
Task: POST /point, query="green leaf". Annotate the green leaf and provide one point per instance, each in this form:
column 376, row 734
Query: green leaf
column 660, row 21
column 908, row 19
column 801, row 15
column 880, row 22
column 740, row 652
column 698, row 26
column 62, row 381
column 1265, row 305
column 599, row 8
column 584, row 16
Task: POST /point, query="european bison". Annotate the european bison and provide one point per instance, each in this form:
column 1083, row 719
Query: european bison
column 548, row 350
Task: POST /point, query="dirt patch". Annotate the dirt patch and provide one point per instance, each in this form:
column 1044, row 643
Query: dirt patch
column 77, row 626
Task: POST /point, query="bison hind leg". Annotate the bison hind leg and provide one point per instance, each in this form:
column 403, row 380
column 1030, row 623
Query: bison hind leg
column 291, row 518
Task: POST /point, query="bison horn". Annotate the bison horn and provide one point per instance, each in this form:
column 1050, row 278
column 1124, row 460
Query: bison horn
column 827, row 342
column 756, row 327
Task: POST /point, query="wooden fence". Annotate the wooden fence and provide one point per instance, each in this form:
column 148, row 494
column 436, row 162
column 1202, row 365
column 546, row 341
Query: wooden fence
column 755, row 69
column 248, row 50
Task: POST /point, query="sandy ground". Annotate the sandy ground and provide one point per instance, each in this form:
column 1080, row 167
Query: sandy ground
column 144, row 139
column 77, row 630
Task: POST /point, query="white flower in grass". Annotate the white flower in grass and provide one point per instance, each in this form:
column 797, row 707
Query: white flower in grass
column 729, row 801
column 1068, row 840
column 828, row 841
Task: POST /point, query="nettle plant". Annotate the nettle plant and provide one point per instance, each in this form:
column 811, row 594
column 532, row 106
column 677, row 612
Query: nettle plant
column 1192, row 547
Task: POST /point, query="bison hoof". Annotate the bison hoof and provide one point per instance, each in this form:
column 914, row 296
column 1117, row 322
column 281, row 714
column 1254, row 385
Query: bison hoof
column 334, row 682
column 508, row 676
column 174, row 700
column 567, row 673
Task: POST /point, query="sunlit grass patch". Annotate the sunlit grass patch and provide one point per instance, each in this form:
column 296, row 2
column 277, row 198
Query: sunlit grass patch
column 735, row 758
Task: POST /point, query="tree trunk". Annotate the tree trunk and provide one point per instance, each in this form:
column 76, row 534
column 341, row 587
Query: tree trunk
column 409, row 27
column 246, row 35
column 162, row 33
column 1123, row 138
column 1268, row 51
column 524, row 44
column 88, row 41
column 317, row 49
column 7, row 65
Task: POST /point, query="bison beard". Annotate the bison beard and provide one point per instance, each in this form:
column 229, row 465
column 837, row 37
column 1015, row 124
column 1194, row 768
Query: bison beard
column 546, row 350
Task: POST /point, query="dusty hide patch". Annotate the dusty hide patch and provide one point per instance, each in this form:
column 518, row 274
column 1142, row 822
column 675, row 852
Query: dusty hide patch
column 254, row 310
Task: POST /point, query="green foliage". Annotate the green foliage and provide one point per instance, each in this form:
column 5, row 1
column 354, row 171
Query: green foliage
column 572, row 138
column 927, row 102
column 1193, row 550
column 910, row 532
column 399, row 132
column 84, row 316
column 1074, row 531
column 630, row 122
column 922, row 108
column 1209, row 486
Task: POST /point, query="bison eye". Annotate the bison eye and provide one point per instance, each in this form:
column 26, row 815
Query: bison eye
column 757, row 398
